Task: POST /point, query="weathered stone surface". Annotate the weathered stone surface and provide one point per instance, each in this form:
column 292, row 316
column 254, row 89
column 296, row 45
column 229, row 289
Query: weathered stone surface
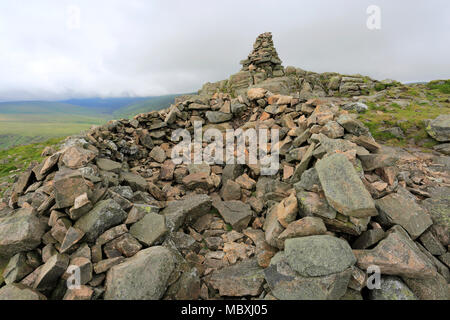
column 319, row 255
column 392, row 288
column 434, row 288
column 218, row 117
column 398, row 255
column 287, row 210
column 245, row 278
column 432, row 244
column 439, row 128
column 76, row 157
column 20, row 231
column 16, row 269
column 314, row 204
column 106, row 214
column 68, row 184
column 438, row 208
column 81, row 293
column 230, row 191
column 256, row 93
column 398, row 209
column 105, row 265
column 187, row 210
column 308, row 226
column 352, row 125
column 286, row 284
column 374, row 161
column 369, row 238
column 17, row 291
column 109, row 165
column 273, row 229
column 51, row 271
column 150, row 229
column 139, row 211
column 135, row 181
column 127, row 245
column 71, row 238
column 142, row 277
column 81, row 206
column 236, row 213
column 158, row 154
column 343, row 188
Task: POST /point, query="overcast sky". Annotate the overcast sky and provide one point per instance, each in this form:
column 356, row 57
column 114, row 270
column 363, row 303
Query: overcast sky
column 142, row 47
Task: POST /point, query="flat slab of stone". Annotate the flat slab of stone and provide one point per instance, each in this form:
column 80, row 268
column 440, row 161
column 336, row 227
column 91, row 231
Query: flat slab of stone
column 396, row 208
column 343, row 188
column 17, row 291
column 397, row 255
column 245, row 278
column 142, row 277
column 150, row 229
column 234, row 212
column 105, row 215
column 68, row 185
column 186, row 210
column 51, row 271
column 318, row 255
column 286, row 284
column 20, row 231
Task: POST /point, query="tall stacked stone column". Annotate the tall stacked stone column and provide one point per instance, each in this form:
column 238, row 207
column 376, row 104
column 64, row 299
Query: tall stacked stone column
column 264, row 57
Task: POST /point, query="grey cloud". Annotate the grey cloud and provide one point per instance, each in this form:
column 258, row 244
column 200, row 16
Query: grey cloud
column 144, row 48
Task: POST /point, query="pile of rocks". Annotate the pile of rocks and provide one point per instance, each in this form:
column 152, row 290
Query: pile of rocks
column 114, row 206
column 263, row 69
column 264, row 57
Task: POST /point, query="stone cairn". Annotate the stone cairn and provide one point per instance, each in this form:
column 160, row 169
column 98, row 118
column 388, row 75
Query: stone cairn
column 264, row 57
column 113, row 205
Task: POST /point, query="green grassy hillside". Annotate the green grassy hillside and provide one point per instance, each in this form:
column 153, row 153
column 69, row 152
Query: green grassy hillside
column 153, row 103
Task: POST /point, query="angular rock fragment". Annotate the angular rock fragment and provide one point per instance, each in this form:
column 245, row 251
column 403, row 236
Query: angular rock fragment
column 51, row 271
column 142, row 277
column 343, row 188
column 150, row 229
column 236, row 213
column 392, row 288
column 243, row 279
column 398, row 209
column 106, row 214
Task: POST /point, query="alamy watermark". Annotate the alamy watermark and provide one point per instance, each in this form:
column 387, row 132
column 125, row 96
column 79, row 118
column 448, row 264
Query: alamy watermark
column 250, row 146
column 374, row 20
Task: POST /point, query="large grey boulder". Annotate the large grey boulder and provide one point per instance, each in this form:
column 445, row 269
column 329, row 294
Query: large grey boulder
column 143, row 277
column 343, row 188
column 106, row 214
column 318, row 255
column 439, row 128
column 20, row 231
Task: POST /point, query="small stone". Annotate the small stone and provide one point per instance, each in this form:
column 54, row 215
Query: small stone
column 109, row 165
column 139, row 211
column 82, row 205
column 231, row 191
column 51, row 271
column 72, row 237
column 158, row 154
column 308, row 226
column 112, row 234
column 287, row 210
column 243, row 279
column 236, row 213
column 392, row 288
column 127, row 245
column 16, row 269
column 105, row 265
column 150, row 229
column 81, row 293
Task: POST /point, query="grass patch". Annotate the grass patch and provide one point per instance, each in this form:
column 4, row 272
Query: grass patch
column 442, row 86
column 19, row 158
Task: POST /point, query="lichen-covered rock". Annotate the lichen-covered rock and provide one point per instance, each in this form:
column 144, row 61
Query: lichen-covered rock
column 392, row 288
column 439, row 128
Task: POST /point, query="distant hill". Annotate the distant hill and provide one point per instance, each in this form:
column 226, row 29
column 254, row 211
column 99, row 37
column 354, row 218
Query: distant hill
column 147, row 105
column 24, row 122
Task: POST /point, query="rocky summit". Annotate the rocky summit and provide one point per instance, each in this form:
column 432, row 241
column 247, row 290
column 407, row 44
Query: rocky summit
column 114, row 205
